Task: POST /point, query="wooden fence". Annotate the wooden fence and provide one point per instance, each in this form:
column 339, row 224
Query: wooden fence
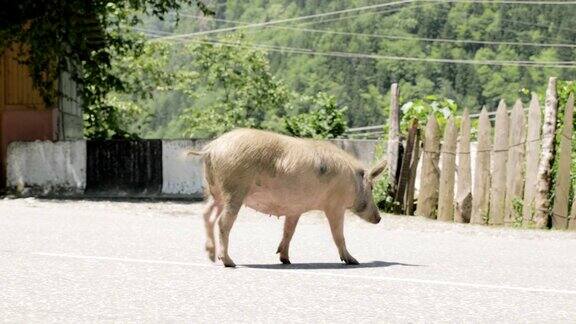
column 512, row 178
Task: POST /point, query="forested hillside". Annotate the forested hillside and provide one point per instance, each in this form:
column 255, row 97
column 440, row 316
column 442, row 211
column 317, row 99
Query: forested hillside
column 332, row 53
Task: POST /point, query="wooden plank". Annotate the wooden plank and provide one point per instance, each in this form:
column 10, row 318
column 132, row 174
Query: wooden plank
column 481, row 190
column 393, row 137
column 563, row 181
column 430, row 174
column 499, row 158
column 124, row 167
column 447, row 172
column 409, row 200
column 2, row 79
column 406, row 164
column 533, row 142
column 572, row 222
column 464, row 174
column 543, row 178
column 19, row 86
column 515, row 173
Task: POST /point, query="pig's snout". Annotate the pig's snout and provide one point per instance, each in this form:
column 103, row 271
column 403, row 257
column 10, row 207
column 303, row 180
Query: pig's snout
column 376, row 219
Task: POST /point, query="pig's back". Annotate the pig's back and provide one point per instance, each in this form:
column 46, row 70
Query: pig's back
column 257, row 151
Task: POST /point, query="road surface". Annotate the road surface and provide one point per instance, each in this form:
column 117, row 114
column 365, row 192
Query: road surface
column 79, row 261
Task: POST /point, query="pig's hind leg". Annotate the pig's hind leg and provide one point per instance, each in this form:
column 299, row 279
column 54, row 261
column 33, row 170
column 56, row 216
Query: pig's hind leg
column 211, row 213
column 232, row 206
column 289, row 226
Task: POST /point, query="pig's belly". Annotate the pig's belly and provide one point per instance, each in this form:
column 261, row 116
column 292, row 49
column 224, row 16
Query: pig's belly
column 280, row 201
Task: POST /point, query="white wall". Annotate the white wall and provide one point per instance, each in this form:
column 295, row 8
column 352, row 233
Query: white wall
column 182, row 174
column 45, row 167
column 363, row 150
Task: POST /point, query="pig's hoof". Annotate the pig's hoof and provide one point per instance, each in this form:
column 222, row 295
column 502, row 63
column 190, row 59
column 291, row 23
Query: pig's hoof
column 349, row 260
column 228, row 263
column 285, row 260
column 211, row 254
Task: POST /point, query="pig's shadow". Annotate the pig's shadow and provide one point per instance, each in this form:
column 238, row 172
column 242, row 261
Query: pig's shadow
column 329, row 265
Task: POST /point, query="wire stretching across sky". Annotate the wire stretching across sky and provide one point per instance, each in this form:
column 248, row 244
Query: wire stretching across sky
column 387, row 4
column 296, row 50
column 274, row 22
column 439, row 40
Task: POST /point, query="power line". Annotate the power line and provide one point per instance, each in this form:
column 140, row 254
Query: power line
column 536, row 25
column 296, row 50
column 393, row 3
column 376, row 12
column 274, row 22
column 425, row 39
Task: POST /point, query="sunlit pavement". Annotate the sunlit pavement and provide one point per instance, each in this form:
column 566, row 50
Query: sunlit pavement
column 144, row 261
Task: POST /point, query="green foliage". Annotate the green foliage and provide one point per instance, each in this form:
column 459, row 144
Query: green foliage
column 517, row 207
column 362, row 84
column 563, row 89
column 116, row 104
column 381, row 189
column 420, row 109
column 325, row 119
column 84, row 38
column 384, row 200
column 236, row 89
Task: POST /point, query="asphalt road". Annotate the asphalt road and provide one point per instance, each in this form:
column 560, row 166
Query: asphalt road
column 79, row 261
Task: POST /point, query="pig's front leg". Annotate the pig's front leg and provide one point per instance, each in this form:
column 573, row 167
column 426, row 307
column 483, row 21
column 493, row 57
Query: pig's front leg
column 336, row 220
column 289, row 226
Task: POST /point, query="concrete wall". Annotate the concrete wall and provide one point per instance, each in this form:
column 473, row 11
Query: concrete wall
column 361, row 149
column 182, row 174
column 47, row 168
column 64, row 168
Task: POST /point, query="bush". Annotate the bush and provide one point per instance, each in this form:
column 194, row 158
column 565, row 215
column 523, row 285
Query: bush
column 325, row 120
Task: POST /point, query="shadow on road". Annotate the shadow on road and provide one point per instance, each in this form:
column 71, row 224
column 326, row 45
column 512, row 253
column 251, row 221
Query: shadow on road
column 330, row 265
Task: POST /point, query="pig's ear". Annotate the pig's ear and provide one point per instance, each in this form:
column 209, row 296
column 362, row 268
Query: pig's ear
column 378, row 169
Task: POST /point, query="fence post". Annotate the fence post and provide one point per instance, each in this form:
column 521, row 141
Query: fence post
column 563, row 181
column 415, row 152
column 448, row 160
column 429, row 177
column 393, row 137
column 572, row 222
column 543, row 178
column 500, row 155
column 406, row 164
column 409, row 200
column 481, row 192
column 464, row 181
column 532, row 156
column 514, row 176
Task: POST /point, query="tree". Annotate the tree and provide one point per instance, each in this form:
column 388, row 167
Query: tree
column 325, row 119
column 235, row 88
column 81, row 37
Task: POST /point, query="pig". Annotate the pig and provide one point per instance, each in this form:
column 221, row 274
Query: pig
column 283, row 176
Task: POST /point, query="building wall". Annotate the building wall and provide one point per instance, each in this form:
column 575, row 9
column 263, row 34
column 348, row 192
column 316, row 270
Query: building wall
column 70, row 121
column 23, row 114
